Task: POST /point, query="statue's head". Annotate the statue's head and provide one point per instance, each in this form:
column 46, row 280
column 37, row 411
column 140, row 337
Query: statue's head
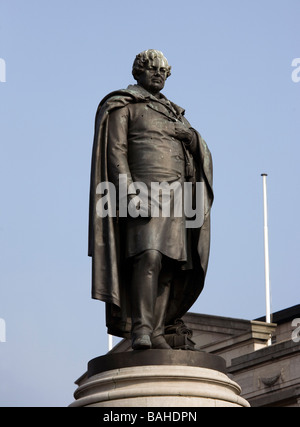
column 151, row 69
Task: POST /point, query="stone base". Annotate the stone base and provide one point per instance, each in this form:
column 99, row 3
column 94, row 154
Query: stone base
column 157, row 378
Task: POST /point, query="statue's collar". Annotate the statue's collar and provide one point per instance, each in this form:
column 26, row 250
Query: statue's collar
column 141, row 92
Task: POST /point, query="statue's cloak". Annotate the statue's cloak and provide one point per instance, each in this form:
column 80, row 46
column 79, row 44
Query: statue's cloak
column 110, row 268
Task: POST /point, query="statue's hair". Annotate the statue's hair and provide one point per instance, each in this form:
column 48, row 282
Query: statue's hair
column 142, row 60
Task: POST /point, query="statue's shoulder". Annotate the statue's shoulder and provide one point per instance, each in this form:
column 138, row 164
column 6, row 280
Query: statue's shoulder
column 122, row 97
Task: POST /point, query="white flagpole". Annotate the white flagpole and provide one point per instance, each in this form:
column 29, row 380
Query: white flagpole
column 267, row 261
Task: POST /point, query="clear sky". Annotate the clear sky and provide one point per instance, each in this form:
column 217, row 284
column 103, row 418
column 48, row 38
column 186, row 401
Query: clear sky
column 231, row 71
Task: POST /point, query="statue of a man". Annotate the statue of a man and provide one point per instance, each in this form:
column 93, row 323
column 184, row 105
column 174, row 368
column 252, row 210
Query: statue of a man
column 149, row 270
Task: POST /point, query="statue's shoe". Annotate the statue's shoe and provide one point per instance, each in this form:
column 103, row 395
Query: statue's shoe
column 141, row 342
column 160, row 343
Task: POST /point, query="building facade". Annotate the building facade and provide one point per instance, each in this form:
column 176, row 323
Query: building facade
column 269, row 375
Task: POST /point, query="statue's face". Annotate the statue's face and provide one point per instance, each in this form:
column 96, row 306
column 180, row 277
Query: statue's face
column 154, row 76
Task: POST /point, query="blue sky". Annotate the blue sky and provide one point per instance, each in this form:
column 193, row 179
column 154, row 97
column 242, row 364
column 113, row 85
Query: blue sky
column 231, row 71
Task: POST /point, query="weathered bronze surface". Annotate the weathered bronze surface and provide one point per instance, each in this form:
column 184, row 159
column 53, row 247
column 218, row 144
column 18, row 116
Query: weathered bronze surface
column 148, row 270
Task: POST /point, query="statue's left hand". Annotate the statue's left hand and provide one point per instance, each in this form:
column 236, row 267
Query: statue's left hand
column 183, row 133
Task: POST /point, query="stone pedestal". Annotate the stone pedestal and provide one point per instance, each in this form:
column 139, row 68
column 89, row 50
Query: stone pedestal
column 157, row 378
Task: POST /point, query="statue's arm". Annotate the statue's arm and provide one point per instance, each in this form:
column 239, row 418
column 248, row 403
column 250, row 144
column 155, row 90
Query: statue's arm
column 117, row 148
column 191, row 142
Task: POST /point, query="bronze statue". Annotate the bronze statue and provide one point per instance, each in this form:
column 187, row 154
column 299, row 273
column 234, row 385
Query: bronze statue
column 149, row 270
